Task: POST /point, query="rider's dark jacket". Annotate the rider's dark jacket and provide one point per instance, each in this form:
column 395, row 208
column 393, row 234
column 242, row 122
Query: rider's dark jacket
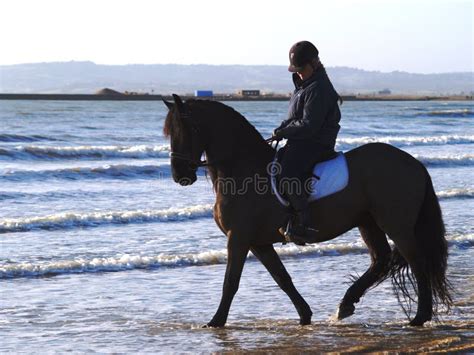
column 311, row 130
column 313, row 116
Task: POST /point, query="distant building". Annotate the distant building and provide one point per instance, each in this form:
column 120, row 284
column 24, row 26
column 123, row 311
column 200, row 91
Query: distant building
column 385, row 92
column 135, row 93
column 249, row 92
column 203, row 93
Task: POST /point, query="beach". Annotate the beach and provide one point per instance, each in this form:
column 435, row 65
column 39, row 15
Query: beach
column 102, row 252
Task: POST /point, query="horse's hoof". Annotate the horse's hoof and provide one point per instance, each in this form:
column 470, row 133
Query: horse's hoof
column 213, row 324
column 305, row 320
column 418, row 321
column 345, row 311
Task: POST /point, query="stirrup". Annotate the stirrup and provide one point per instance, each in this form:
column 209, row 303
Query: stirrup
column 291, row 237
column 301, row 234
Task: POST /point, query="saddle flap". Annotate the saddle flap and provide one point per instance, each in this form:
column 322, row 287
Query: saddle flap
column 333, row 176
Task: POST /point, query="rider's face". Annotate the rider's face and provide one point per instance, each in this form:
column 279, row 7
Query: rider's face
column 305, row 72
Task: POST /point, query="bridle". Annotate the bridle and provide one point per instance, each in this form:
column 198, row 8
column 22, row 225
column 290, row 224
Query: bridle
column 193, row 163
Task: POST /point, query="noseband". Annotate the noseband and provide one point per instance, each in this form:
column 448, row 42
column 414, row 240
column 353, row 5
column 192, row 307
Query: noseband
column 193, row 163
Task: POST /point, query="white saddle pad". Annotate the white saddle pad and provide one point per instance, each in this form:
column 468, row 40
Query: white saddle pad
column 333, row 177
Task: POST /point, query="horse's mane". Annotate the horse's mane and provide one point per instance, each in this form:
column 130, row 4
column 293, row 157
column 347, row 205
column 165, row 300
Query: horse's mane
column 168, row 123
column 221, row 112
column 248, row 138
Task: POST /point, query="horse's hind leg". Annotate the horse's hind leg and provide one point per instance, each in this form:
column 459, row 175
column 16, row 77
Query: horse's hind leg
column 414, row 256
column 270, row 259
column 380, row 252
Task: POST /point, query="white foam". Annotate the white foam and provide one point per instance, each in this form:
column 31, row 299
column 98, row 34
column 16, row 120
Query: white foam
column 74, row 220
column 129, row 262
column 91, row 219
column 323, row 249
column 461, row 238
column 456, row 193
column 400, row 141
column 118, row 263
column 452, row 112
column 86, row 151
column 75, row 173
column 161, row 151
column 210, row 257
column 446, row 160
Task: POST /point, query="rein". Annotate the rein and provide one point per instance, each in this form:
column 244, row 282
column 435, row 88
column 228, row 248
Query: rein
column 194, row 163
column 274, row 171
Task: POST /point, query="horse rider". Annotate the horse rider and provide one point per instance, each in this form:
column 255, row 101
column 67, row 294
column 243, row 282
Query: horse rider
column 311, row 130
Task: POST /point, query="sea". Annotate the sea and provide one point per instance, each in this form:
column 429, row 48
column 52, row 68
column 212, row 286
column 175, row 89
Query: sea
column 100, row 251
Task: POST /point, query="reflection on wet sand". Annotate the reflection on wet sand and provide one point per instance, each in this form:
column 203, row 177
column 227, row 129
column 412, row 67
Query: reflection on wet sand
column 285, row 336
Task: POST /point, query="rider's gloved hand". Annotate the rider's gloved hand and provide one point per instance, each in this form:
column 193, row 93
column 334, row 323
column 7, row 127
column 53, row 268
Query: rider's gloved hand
column 277, row 135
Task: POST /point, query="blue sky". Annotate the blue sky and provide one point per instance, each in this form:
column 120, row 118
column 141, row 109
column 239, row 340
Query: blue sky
column 415, row 36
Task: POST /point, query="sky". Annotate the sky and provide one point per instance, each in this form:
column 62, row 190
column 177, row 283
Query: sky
column 416, row 36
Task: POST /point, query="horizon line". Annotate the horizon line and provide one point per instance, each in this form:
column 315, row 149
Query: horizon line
column 229, row 65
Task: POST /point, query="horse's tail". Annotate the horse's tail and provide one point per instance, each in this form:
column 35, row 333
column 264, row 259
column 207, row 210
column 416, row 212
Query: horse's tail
column 430, row 234
column 431, row 241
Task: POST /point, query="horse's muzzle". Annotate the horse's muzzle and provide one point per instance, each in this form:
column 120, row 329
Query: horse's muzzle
column 186, row 181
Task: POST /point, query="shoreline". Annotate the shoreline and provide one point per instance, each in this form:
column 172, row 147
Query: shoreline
column 229, row 97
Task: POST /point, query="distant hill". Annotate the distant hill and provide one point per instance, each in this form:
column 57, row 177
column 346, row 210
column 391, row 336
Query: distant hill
column 87, row 78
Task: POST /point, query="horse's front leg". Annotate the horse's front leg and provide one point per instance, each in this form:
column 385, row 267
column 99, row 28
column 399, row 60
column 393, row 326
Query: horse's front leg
column 270, row 259
column 237, row 251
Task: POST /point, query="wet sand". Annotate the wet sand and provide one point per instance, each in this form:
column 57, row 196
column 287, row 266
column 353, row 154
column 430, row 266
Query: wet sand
column 287, row 337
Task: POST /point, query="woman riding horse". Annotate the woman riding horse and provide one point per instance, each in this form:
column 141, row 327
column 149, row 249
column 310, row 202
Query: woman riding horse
column 311, row 129
column 389, row 193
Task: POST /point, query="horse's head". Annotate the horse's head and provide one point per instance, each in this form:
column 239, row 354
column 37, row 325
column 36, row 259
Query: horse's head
column 186, row 142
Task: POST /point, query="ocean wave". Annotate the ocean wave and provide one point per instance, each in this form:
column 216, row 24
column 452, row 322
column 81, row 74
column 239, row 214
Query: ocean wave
column 452, row 194
column 400, row 141
column 447, row 160
column 131, row 262
column 24, row 152
column 119, row 171
column 126, row 171
column 452, row 113
column 93, row 219
column 45, row 152
column 9, row 138
column 456, row 194
column 48, row 196
column 11, row 195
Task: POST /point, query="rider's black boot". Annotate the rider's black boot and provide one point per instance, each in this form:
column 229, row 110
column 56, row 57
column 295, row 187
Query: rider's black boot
column 298, row 229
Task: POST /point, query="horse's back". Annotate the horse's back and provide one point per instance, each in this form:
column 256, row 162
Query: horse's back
column 384, row 160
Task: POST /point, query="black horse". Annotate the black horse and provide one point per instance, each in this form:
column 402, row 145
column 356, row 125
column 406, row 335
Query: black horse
column 390, row 193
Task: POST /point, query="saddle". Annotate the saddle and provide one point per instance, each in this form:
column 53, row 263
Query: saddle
column 330, row 176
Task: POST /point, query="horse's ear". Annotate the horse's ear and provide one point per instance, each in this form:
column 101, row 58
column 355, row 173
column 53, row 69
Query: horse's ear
column 168, row 104
column 178, row 102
